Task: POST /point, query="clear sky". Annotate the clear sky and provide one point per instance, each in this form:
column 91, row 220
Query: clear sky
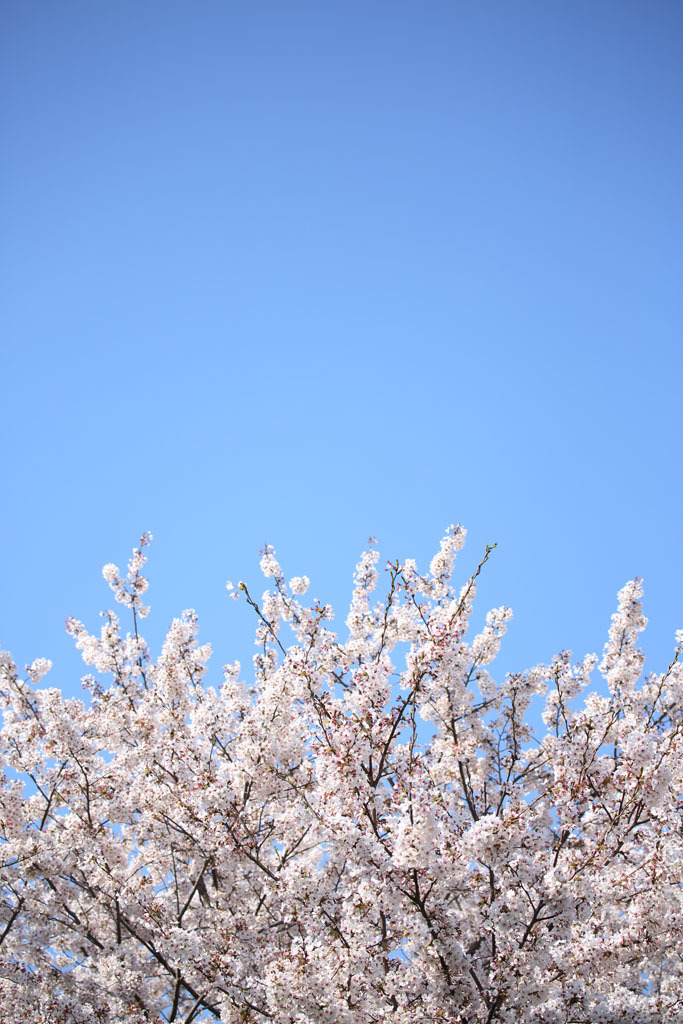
column 302, row 272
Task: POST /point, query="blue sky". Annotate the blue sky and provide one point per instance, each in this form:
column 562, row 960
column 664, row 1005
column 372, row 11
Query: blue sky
column 304, row 272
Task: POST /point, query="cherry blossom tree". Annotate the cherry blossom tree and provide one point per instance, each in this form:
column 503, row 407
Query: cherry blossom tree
column 304, row 849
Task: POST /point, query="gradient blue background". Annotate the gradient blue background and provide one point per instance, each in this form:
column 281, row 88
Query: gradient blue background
column 302, row 272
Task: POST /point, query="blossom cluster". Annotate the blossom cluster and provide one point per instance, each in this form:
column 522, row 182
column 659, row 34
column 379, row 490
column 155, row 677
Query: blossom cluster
column 368, row 830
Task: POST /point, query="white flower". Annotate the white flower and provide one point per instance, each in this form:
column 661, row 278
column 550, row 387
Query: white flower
column 39, row 668
column 299, row 584
column 269, row 565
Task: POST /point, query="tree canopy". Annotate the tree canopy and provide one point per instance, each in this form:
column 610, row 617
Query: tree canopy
column 300, row 848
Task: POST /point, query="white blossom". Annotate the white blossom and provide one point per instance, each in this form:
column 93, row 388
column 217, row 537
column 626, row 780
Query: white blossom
column 299, row 584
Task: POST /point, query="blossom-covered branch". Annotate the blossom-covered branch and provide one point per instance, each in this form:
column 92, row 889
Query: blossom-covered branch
column 302, row 848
